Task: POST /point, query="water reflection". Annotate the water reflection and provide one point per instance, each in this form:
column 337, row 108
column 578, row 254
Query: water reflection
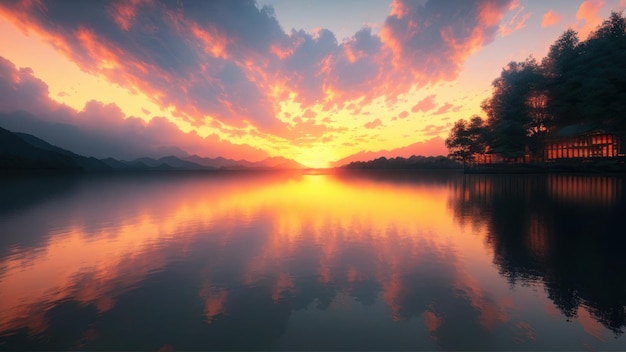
column 290, row 261
column 564, row 231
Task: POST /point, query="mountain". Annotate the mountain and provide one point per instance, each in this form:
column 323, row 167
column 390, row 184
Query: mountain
column 276, row 162
column 432, row 147
column 24, row 151
column 16, row 153
column 82, row 161
column 178, row 163
column 115, row 164
column 218, row 162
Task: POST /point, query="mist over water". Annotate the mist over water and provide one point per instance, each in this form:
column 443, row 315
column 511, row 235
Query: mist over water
column 352, row 260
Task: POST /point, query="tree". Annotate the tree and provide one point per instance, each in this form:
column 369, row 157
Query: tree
column 466, row 139
column 517, row 109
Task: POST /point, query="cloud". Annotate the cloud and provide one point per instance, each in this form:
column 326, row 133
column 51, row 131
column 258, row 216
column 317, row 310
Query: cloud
column 432, row 130
column 588, row 16
column 100, row 130
column 515, row 23
column 550, row 18
column 373, row 124
column 425, row 104
column 231, row 61
column 420, row 34
column 404, row 115
column 309, row 114
column 443, row 109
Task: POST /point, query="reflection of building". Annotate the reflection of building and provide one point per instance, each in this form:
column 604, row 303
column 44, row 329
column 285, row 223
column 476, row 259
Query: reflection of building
column 581, row 142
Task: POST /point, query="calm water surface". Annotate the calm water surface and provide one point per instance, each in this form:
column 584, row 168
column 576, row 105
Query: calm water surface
column 426, row 261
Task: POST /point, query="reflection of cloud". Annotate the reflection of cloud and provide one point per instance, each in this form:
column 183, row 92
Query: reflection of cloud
column 253, row 250
column 215, row 303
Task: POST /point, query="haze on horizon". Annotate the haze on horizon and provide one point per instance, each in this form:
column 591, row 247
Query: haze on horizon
column 311, row 81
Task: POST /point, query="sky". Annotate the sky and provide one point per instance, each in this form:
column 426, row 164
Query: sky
column 313, row 81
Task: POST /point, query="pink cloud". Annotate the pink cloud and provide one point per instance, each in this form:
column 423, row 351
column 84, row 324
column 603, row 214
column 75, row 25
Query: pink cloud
column 443, row 109
column 100, row 130
column 425, row 104
column 233, row 62
column 550, row 18
column 588, row 16
column 373, row 124
column 515, row 23
column 420, row 34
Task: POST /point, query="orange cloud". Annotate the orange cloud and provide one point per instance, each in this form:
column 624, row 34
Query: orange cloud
column 517, row 22
column 425, row 104
column 100, row 130
column 550, row 18
column 373, row 124
column 124, row 12
column 588, row 16
column 443, row 109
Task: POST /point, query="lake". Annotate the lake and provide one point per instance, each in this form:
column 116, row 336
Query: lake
column 293, row 261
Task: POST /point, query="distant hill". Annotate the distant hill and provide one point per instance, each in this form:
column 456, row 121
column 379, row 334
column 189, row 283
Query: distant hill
column 82, row 161
column 431, row 147
column 16, row 153
column 268, row 163
column 165, row 163
column 218, row 162
column 24, row 151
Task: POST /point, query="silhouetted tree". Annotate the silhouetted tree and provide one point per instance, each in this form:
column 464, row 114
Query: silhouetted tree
column 576, row 83
column 467, row 139
column 517, row 108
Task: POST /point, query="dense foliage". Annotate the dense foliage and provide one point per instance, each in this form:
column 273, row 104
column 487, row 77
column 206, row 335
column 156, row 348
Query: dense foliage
column 414, row 162
column 577, row 83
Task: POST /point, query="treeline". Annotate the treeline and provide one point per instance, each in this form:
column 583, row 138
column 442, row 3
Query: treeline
column 578, row 83
column 413, row 162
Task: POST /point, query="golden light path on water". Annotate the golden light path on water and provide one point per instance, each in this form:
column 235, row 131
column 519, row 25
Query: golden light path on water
column 405, row 235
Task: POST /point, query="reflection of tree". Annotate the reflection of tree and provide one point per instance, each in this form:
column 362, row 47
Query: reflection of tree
column 564, row 231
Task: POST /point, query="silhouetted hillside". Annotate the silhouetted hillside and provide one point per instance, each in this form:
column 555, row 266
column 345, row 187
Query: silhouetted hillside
column 414, row 162
column 16, row 153
column 24, row 151
column 84, row 162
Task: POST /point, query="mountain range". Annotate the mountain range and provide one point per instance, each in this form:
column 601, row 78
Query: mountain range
column 25, row 151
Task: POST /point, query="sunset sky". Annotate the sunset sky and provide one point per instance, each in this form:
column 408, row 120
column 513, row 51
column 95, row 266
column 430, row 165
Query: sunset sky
column 314, row 81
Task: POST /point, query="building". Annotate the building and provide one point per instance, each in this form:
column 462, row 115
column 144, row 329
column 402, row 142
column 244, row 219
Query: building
column 582, row 142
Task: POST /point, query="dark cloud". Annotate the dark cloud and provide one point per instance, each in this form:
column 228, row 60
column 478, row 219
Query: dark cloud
column 432, row 39
column 99, row 130
column 230, row 60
